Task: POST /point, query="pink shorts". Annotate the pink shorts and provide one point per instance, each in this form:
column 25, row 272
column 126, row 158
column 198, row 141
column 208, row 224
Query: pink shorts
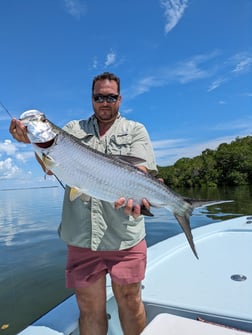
column 85, row 266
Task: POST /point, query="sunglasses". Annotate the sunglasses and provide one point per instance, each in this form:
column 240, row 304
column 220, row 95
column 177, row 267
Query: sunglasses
column 110, row 98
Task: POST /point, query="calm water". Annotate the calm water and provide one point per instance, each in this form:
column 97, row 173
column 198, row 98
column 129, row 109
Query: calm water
column 33, row 257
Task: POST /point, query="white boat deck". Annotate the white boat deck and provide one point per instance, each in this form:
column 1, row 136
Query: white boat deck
column 177, row 282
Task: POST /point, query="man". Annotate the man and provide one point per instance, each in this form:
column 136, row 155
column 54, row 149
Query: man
column 103, row 237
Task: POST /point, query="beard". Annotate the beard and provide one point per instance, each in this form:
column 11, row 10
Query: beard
column 106, row 114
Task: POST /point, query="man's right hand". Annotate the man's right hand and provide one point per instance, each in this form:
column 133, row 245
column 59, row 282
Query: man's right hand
column 18, row 131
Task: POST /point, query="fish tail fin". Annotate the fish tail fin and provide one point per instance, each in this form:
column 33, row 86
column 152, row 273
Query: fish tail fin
column 185, row 225
column 184, row 220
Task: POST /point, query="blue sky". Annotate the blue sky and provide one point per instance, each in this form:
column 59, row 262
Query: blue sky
column 185, row 69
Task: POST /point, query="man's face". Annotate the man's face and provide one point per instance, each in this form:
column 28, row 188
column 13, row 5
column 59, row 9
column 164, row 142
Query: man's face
column 106, row 111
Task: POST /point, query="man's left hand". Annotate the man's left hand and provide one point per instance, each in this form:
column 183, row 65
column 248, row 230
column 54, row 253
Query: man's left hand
column 130, row 208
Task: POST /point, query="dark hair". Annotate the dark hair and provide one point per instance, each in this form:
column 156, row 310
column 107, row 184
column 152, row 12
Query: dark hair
column 104, row 76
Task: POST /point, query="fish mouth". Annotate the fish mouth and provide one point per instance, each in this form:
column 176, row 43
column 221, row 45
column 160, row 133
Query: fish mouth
column 45, row 145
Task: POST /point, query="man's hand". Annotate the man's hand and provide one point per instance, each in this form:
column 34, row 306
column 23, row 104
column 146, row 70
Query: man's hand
column 130, row 208
column 18, row 131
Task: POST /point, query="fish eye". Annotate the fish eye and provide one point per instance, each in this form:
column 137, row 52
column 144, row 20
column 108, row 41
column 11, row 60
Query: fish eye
column 43, row 118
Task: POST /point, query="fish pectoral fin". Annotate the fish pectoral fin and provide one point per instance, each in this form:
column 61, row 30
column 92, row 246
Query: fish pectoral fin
column 48, row 161
column 130, row 159
column 75, row 193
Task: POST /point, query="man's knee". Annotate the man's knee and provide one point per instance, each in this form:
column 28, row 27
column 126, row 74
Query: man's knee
column 128, row 296
column 87, row 298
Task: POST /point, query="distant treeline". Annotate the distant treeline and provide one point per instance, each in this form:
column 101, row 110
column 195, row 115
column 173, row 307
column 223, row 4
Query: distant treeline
column 230, row 164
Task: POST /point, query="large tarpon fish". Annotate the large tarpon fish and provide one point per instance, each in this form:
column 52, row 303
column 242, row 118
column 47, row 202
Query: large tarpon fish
column 105, row 177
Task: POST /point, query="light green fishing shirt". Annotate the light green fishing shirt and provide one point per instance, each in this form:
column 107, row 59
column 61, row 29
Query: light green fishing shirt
column 95, row 224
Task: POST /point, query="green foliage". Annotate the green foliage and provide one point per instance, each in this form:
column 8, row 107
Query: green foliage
column 229, row 164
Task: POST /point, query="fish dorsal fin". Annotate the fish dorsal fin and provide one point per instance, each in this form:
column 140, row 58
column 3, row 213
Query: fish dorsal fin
column 129, row 159
column 75, row 193
column 145, row 211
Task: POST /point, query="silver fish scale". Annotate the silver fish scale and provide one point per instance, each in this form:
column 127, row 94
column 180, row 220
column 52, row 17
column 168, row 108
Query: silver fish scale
column 107, row 178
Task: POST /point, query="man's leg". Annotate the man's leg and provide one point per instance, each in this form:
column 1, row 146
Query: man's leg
column 92, row 304
column 131, row 308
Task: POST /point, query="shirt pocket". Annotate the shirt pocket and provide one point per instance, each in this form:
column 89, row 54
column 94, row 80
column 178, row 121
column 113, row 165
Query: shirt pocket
column 120, row 144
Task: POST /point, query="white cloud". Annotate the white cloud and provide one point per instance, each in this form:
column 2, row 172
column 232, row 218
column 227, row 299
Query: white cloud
column 234, row 66
column 174, row 10
column 75, row 8
column 216, row 83
column 25, row 156
column 19, row 151
column 241, row 62
column 169, row 155
column 95, row 63
column 168, row 151
column 11, row 153
column 184, row 72
column 195, row 68
column 4, row 117
column 110, row 58
column 7, row 147
column 8, row 169
column 243, row 127
column 198, row 67
column 243, row 65
column 190, row 70
column 168, row 143
column 144, row 85
column 127, row 111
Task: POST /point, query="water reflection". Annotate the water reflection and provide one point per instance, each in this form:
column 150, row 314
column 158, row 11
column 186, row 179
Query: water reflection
column 28, row 211
column 32, row 256
column 241, row 201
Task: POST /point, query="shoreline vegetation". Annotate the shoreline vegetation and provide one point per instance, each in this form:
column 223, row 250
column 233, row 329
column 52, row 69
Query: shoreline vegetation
column 228, row 165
